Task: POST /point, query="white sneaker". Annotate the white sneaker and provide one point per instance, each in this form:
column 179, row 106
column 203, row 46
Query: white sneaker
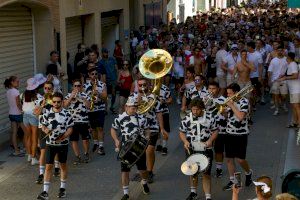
column 34, row 161
column 29, row 158
column 276, row 113
column 272, row 107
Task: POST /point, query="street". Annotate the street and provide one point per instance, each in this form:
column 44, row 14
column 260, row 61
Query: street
column 100, row 179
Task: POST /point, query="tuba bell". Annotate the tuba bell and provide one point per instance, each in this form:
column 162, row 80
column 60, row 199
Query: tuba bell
column 154, row 64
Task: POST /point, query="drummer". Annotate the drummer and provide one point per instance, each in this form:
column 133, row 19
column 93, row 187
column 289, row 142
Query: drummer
column 198, row 130
column 128, row 123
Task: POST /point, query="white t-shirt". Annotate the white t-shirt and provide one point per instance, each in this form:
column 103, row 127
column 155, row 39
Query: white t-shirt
column 231, row 61
column 11, row 95
column 178, row 68
column 220, row 56
column 28, row 107
column 278, row 67
column 256, row 59
column 294, row 84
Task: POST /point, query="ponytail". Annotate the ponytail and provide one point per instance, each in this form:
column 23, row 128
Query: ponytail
column 8, row 81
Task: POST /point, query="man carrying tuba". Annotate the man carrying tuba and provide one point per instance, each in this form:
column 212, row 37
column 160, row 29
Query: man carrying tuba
column 155, row 119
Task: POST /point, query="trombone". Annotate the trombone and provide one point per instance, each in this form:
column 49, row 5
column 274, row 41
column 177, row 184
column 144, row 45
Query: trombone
column 236, row 97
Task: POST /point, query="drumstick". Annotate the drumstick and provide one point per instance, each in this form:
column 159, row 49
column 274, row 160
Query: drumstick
column 47, row 135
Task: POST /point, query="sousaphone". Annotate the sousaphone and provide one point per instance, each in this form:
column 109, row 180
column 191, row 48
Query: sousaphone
column 154, row 64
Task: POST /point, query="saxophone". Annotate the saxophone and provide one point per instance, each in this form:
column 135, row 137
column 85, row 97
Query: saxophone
column 93, row 95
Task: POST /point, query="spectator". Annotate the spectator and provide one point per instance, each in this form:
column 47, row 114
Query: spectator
column 118, row 53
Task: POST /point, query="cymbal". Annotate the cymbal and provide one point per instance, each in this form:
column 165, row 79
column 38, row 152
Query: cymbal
column 189, row 168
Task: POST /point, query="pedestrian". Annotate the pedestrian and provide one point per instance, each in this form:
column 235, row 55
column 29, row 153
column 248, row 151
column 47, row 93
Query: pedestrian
column 139, row 126
column 125, row 81
column 15, row 112
column 263, row 189
column 118, row 53
column 57, row 124
column 30, row 120
column 111, row 68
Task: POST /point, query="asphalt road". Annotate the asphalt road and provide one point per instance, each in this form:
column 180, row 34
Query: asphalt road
column 100, row 179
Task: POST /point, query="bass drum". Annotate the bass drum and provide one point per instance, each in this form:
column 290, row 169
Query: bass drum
column 133, row 149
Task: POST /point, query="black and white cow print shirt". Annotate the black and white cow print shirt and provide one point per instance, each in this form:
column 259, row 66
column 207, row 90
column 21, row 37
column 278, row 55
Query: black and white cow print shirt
column 220, row 119
column 193, row 93
column 189, row 127
column 164, row 95
column 130, row 124
column 77, row 108
column 57, row 123
column 151, row 114
column 39, row 101
column 234, row 125
column 88, row 88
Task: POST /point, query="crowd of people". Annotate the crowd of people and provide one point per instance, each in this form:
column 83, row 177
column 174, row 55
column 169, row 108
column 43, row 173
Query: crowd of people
column 225, row 63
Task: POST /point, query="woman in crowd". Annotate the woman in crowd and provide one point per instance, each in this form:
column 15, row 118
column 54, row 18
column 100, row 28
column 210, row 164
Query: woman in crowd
column 178, row 73
column 125, row 82
column 30, row 120
column 15, row 111
column 263, row 189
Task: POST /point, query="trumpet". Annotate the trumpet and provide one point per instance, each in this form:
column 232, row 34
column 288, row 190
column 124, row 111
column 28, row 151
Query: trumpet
column 236, row 97
column 93, row 94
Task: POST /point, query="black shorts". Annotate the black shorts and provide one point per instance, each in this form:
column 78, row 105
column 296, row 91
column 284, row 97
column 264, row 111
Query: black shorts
column 60, row 150
column 166, row 122
column 209, row 154
column 140, row 164
column 42, row 139
column 153, row 139
column 97, row 119
column 124, row 93
column 236, row 146
column 80, row 129
column 219, row 145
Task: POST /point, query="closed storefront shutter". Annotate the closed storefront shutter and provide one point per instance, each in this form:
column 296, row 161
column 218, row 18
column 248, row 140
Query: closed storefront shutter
column 16, row 52
column 74, row 36
column 108, row 21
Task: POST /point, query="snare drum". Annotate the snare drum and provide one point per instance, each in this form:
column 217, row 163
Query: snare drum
column 201, row 160
column 133, row 149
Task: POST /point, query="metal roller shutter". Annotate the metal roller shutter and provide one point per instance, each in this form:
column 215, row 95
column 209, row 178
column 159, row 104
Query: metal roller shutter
column 108, row 21
column 74, row 36
column 16, row 52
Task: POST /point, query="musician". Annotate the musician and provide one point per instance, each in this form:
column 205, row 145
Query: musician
column 211, row 107
column 237, row 135
column 42, row 106
column 78, row 103
column 58, row 125
column 165, row 99
column 129, row 123
column 198, row 91
column 155, row 118
column 199, row 129
column 96, row 89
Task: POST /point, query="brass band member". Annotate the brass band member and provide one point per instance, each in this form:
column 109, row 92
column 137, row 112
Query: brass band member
column 154, row 116
column 237, row 135
column 199, row 127
column 97, row 91
column 77, row 103
column 128, row 123
column 58, row 124
column 219, row 145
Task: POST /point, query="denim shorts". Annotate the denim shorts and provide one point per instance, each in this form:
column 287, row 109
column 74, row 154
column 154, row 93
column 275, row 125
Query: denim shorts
column 29, row 119
column 16, row 118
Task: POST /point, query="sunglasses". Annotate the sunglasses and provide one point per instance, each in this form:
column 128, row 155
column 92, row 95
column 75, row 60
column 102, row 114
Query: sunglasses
column 93, row 74
column 77, row 85
column 47, row 88
column 56, row 101
column 144, row 84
